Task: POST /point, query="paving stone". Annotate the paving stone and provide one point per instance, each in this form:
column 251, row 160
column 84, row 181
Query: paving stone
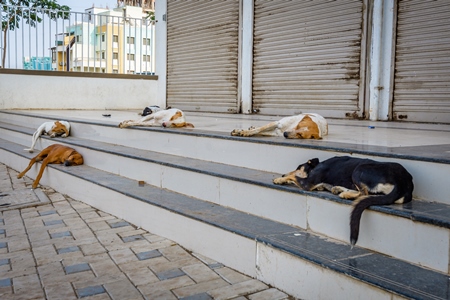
column 3, row 245
column 63, row 234
column 148, row 254
column 175, row 253
column 5, row 282
column 56, row 197
column 19, row 244
column 77, row 268
column 153, row 290
column 123, row 256
column 81, row 234
column 238, row 289
column 161, row 266
column 132, row 238
column 169, row 274
column 199, row 272
column 68, row 249
column 90, row 291
column 141, row 275
column 270, row 294
column 62, row 290
column 53, row 222
column 161, row 295
column 48, row 212
column 122, row 289
column 99, row 225
column 119, row 224
column 86, row 215
column 23, row 261
column 200, row 288
column 231, row 275
column 105, row 267
column 201, row 296
column 91, row 249
column 26, row 282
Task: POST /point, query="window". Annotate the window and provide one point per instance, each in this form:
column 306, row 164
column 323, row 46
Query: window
column 115, row 55
column 146, row 58
column 130, row 56
column 79, row 38
column 103, row 37
column 130, row 72
column 53, row 55
column 146, row 42
column 115, row 71
column 103, row 55
column 115, row 38
column 130, row 40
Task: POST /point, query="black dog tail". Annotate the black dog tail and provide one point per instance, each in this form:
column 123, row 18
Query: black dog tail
column 360, row 204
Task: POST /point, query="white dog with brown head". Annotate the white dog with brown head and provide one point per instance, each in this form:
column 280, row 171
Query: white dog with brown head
column 302, row 126
column 52, row 129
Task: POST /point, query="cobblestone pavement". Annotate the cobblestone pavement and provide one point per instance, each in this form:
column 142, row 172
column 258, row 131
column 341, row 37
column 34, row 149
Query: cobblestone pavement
column 55, row 247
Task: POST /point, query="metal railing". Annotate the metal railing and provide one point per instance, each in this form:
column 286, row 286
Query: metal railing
column 99, row 40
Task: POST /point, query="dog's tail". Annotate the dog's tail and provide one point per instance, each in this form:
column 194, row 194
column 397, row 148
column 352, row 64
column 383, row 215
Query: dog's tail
column 360, row 204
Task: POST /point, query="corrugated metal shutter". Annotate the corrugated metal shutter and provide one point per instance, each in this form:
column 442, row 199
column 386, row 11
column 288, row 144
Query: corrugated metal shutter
column 422, row 66
column 202, row 55
column 307, row 57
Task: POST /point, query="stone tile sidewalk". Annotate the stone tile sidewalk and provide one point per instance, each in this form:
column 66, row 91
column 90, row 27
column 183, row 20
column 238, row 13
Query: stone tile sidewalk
column 55, row 247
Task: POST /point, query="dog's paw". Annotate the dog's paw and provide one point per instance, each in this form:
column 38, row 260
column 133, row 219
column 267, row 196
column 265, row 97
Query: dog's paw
column 251, row 128
column 336, row 190
column 236, row 132
column 29, row 150
column 64, row 135
column 279, row 180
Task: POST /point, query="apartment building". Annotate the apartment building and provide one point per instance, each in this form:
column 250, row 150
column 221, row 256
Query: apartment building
column 103, row 40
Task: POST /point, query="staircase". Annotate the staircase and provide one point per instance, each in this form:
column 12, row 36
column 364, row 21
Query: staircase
column 213, row 194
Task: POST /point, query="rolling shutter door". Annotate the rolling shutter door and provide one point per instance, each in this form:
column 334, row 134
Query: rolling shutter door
column 202, row 55
column 307, row 57
column 422, row 62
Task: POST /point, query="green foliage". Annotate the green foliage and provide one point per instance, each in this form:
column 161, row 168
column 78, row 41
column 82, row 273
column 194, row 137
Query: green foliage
column 13, row 11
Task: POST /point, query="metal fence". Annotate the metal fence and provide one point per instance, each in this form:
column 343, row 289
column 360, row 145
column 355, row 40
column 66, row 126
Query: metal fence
column 119, row 40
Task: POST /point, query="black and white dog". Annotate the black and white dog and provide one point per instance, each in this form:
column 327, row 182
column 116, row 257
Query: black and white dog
column 367, row 181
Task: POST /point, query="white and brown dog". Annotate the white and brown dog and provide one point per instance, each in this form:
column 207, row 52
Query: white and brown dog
column 302, row 126
column 172, row 117
column 52, row 129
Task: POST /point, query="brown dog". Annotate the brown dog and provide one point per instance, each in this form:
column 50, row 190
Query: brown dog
column 54, row 154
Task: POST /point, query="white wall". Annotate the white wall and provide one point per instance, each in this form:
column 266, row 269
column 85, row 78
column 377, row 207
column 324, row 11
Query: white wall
column 26, row 91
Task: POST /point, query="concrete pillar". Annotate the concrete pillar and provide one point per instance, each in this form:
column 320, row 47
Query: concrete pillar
column 246, row 64
column 382, row 59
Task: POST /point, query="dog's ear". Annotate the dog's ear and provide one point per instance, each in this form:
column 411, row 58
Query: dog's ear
column 313, row 162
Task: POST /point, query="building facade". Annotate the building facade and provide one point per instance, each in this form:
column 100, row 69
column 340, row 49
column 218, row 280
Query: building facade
column 107, row 41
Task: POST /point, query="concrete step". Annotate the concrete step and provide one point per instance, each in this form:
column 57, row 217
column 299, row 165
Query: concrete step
column 385, row 229
column 430, row 167
column 303, row 264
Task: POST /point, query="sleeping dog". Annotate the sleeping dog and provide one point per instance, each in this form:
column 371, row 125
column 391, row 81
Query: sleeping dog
column 302, row 126
column 172, row 117
column 54, row 154
column 53, row 129
column 368, row 181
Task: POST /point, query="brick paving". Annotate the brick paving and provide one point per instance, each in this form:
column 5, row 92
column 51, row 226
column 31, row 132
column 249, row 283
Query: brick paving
column 61, row 248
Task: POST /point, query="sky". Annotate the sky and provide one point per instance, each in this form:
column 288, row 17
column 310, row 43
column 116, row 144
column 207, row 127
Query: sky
column 81, row 5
